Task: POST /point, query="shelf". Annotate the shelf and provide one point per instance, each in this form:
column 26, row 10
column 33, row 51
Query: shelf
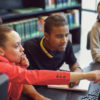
column 14, row 16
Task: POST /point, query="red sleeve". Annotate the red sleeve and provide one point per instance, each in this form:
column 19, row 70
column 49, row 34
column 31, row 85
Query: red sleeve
column 35, row 77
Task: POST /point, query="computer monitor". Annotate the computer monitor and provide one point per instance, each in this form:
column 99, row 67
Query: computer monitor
column 3, row 87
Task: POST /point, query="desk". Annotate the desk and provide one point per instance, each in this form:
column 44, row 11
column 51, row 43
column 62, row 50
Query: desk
column 56, row 94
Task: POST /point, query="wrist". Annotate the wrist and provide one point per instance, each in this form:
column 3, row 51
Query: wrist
column 84, row 75
column 88, row 76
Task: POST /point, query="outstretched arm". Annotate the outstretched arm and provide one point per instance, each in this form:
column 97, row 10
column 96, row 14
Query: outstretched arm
column 92, row 76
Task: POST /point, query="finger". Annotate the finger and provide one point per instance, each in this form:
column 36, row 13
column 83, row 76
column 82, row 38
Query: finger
column 72, row 84
column 77, row 82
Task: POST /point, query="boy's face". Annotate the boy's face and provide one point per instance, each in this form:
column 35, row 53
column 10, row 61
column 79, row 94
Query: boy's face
column 58, row 38
column 13, row 50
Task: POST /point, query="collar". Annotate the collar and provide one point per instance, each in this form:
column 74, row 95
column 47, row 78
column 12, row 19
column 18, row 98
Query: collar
column 4, row 59
column 44, row 49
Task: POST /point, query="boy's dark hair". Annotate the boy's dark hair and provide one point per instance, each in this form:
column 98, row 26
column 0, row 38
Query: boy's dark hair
column 4, row 30
column 53, row 21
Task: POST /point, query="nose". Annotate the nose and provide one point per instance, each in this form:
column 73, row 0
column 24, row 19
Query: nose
column 64, row 40
column 21, row 48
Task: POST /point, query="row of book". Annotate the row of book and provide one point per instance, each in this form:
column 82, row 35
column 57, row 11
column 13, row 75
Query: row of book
column 72, row 17
column 48, row 5
column 59, row 3
column 26, row 28
column 35, row 26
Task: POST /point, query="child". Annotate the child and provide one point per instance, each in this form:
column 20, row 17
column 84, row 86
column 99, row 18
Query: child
column 13, row 63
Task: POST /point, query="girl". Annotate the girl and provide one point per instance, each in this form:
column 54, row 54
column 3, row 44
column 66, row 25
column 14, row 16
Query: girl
column 13, row 63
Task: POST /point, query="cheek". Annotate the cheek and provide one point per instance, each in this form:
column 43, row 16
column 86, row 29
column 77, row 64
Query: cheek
column 55, row 42
column 14, row 56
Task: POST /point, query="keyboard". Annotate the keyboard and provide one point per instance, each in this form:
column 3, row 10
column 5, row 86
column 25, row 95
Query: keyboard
column 93, row 93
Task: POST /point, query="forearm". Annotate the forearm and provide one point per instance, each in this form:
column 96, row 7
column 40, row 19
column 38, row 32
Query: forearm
column 30, row 91
column 74, row 76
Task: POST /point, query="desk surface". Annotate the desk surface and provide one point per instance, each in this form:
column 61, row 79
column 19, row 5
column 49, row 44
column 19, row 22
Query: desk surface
column 56, row 94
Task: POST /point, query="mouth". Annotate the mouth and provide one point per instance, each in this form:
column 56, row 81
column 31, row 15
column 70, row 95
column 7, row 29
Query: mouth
column 21, row 54
column 62, row 46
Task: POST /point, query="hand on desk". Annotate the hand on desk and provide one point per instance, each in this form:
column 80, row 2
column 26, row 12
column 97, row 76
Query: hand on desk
column 91, row 76
column 72, row 84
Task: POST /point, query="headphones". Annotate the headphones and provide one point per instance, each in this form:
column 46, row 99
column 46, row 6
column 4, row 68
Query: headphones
column 43, row 48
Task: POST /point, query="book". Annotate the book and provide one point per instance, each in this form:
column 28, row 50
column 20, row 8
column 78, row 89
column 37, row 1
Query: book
column 83, row 86
column 76, row 17
column 41, row 22
column 26, row 10
column 59, row 4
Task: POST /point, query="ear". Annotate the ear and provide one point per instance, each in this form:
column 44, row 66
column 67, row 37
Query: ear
column 2, row 53
column 46, row 36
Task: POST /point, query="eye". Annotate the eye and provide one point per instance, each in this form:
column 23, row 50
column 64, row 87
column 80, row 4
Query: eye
column 59, row 36
column 16, row 45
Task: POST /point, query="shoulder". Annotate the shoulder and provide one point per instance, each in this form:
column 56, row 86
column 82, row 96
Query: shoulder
column 68, row 47
column 69, row 44
column 33, row 42
column 96, row 26
column 95, row 29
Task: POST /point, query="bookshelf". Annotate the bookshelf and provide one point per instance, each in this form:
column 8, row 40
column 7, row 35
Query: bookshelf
column 25, row 19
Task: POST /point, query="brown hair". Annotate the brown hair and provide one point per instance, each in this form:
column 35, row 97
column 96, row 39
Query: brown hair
column 98, row 5
column 4, row 30
column 53, row 20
